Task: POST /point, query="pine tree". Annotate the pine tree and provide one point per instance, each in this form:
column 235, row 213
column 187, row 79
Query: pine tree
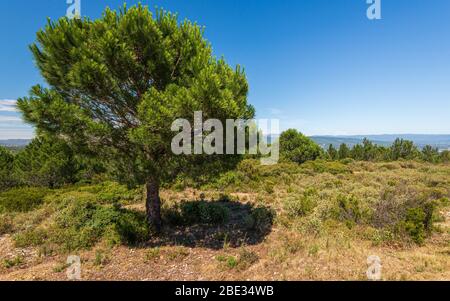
column 296, row 147
column 332, row 152
column 116, row 85
column 344, row 151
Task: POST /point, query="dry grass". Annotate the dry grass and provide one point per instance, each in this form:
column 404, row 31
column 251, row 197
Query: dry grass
column 313, row 246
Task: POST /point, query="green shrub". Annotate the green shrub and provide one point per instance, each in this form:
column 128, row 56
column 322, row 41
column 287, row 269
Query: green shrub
column 349, row 210
column 230, row 262
column 298, row 148
column 444, row 202
column 250, row 169
column 7, row 178
column 10, row 263
column 199, row 212
column 414, row 224
column 81, row 224
column 260, row 219
column 86, row 223
column 244, row 261
column 295, row 207
column 112, row 192
column 31, row 237
column 22, row 199
column 333, row 167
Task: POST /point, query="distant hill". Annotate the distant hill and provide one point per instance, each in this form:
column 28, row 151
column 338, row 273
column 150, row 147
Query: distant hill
column 440, row 141
column 15, row 142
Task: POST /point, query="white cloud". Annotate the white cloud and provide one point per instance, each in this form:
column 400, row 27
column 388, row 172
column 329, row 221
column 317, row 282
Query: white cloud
column 26, row 133
column 10, row 119
column 8, row 105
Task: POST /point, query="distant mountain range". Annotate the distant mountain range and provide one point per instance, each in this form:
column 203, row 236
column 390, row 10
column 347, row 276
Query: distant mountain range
column 15, row 142
column 440, row 141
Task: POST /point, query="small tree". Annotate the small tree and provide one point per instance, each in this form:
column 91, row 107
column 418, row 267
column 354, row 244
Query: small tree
column 403, row 149
column 6, row 167
column 445, row 156
column 332, row 152
column 296, row 147
column 46, row 162
column 430, row 154
column 116, row 85
column 344, row 151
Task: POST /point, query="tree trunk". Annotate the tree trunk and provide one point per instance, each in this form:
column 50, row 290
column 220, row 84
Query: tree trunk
column 153, row 205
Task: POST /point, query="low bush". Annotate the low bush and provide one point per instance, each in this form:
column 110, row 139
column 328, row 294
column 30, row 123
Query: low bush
column 260, row 219
column 302, row 206
column 406, row 210
column 245, row 259
column 332, row 167
column 81, row 224
column 13, row 262
column 198, row 212
column 414, row 224
column 418, row 223
column 349, row 210
column 86, row 223
column 31, row 238
column 22, row 199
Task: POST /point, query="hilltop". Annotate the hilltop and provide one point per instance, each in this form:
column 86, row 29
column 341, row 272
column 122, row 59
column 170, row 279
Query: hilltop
column 442, row 142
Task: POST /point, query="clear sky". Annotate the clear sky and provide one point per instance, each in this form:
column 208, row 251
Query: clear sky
column 320, row 66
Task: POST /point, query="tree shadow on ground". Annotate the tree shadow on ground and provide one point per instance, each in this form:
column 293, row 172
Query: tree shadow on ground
column 245, row 225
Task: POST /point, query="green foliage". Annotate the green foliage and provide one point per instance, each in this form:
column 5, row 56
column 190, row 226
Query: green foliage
column 6, row 169
column 260, row 219
column 349, row 210
column 117, row 83
column 297, row 207
column 80, row 224
column 31, row 237
column 46, row 162
column 333, row 167
column 10, row 263
column 430, row 154
column 332, row 152
column 399, row 150
column 85, row 223
column 244, row 261
column 298, row 148
column 199, row 212
column 229, row 262
column 22, row 199
column 343, row 152
column 414, row 224
column 228, row 179
column 445, row 156
column 403, row 149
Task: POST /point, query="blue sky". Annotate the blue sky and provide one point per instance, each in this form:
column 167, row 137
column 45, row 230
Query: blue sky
column 320, row 66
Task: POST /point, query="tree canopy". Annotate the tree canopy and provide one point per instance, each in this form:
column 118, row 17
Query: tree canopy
column 116, row 84
column 296, row 147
